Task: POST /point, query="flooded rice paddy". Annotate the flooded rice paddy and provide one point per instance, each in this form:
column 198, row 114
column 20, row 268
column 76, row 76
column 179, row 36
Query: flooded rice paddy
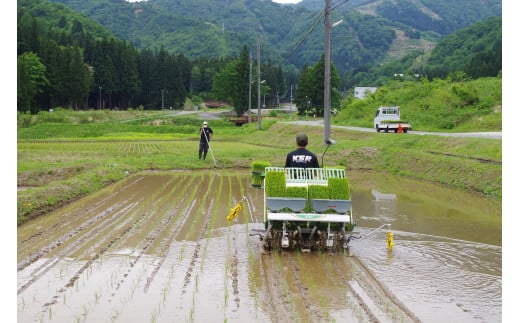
column 157, row 248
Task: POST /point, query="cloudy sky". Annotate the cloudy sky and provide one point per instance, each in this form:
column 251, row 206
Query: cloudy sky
column 286, row 1
column 279, row 1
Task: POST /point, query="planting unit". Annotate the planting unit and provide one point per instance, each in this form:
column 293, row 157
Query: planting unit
column 307, row 209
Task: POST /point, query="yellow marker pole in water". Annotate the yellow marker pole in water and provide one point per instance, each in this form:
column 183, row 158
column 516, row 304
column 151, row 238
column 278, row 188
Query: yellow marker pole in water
column 234, row 212
column 390, row 240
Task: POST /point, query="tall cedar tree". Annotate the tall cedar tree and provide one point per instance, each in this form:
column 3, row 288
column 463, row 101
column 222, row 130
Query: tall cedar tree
column 241, row 97
column 232, row 82
column 310, row 91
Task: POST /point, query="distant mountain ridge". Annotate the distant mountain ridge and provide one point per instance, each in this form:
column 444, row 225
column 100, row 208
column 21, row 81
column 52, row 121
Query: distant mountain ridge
column 79, row 56
column 290, row 34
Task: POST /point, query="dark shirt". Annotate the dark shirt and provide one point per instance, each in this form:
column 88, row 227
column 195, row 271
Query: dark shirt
column 302, row 158
column 208, row 131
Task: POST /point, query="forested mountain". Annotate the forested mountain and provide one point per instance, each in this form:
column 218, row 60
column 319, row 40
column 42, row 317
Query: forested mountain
column 63, row 61
column 440, row 16
column 371, row 30
column 475, row 50
column 60, row 18
column 154, row 54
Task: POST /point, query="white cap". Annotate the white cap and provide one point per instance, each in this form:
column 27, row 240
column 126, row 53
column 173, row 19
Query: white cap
column 205, row 123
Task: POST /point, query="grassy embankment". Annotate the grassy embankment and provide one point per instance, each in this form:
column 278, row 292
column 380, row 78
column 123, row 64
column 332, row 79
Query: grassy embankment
column 439, row 105
column 64, row 155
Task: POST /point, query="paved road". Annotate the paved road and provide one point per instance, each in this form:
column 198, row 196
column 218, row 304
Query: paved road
column 488, row 135
column 211, row 115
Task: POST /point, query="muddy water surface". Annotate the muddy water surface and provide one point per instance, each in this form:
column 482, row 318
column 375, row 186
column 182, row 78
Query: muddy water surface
column 158, row 248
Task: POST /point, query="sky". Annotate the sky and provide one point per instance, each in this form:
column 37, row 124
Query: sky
column 278, row 1
column 286, row 1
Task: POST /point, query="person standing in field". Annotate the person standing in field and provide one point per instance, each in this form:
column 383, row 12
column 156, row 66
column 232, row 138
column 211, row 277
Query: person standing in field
column 301, row 157
column 205, row 133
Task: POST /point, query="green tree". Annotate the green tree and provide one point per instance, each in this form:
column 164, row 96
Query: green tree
column 483, row 64
column 104, row 73
column 146, row 68
column 273, row 75
column 196, row 79
column 128, row 77
column 241, row 96
column 302, row 95
column 232, row 82
column 281, row 85
column 27, row 33
column 310, row 91
column 50, row 57
column 31, row 80
column 177, row 84
column 76, row 78
column 224, row 81
column 185, row 68
column 202, row 79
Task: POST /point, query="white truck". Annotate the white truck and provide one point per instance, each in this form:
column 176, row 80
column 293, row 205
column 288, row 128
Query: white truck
column 389, row 119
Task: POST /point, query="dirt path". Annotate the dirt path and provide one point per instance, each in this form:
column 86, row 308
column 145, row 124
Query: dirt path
column 158, row 248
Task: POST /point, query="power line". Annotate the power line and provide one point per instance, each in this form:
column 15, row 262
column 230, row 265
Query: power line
column 339, row 4
column 299, row 42
column 309, row 31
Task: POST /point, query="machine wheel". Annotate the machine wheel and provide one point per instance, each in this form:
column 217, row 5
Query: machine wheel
column 405, row 130
column 377, row 128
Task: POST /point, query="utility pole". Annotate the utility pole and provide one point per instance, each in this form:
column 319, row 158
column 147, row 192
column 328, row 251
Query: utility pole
column 326, row 94
column 250, row 84
column 162, row 99
column 100, row 97
column 290, row 107
column 259, row 76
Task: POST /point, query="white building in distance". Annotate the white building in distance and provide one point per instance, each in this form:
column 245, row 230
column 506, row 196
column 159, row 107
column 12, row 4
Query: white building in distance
column 360, row 92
